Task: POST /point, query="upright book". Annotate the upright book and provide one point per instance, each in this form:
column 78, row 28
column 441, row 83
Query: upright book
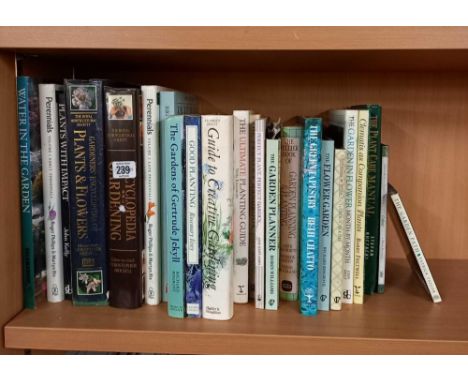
column 272, row 215
column 383, row 219
column 87, row 174
column 32, row 208
column 173, row 202
column 241, row 205
column 291, row 151
column 52, row 194
column 218, row 196
column 326, row 214
column 124, row 192
column 193, row 221
column 151, row 185
column 310, row 217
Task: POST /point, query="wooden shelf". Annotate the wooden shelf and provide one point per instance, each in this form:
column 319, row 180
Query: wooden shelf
column 403, row 320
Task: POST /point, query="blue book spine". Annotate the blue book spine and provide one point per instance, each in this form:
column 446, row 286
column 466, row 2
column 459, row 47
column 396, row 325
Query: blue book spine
column 310, row 217
column 86, row 166
column 326, row 203
column 173, row 201
column 193, row 275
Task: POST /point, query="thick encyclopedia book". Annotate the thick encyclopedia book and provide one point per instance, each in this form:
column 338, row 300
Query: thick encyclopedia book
column 272, row 215
column 241, row 205
column 87, row 174
column 338, row 231
column 371, row 253
column 260, row 130
column 310, row 216
column 361, row 189
column 343, row 129
column 326, row 211
column 32, row 209
column 170, row 103
column 51, row 190
column 151, row 184
column 193, row 221
column 383, row 219
column 124, row 203
column 173, row 202
column 64, row 193
column 421, row 267
column 218, row 195
column 291, row 151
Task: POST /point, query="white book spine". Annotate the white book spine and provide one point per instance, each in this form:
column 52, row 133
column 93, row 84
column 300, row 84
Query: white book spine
column 260, row 127
column 417, row 250
column 241, row 205
column 218, row 195
column 151, row 194
column 52, row 191
column 383, row 221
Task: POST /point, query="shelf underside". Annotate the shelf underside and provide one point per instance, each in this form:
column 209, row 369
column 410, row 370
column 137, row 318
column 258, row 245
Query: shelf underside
column 403, row 320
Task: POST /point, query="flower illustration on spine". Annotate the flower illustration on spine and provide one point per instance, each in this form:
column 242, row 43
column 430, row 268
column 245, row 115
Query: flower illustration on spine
column 89, row 283
column 52, row 213
column 150, row 211
column 83, row 98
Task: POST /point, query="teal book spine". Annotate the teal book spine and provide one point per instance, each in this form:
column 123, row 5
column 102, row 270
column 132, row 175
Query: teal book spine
column 172, row 103
column 326, row 205
column 173, row 201
column 310, row 217
column 272, row 214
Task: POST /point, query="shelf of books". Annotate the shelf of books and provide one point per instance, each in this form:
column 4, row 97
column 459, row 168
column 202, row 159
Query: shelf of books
column 297, row 192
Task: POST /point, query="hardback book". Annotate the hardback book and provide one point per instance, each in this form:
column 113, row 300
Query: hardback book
column 125, row 238
column 326, row 215
column 338, row 230
column 241, row 205
column 218, row 197
column 193, row 222
column 383, row 219
column 253, row 118
column 87, row 175
column 48, row 110
column 371, row 253
column 418, row 261
column 151, row 185
column 343, row 129
column 172, row 103
column 260, row 130
column 272, row 215
column 291, row 151
column 173, row 202
column 64, row 193
column 361, row 189
column 32, row 208
column 310, row 216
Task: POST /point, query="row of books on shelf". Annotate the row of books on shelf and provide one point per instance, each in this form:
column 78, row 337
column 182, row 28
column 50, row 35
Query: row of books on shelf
column 128, row 196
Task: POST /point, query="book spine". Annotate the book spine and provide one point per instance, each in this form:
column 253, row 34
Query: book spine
column 241, row 206
column 373, row 201
column 51, row 190
column 32, row 230
column 338, row 223
column 64, row 193
column 310, row 216
column 193, row 276
column 152, row 206
column 173, row 145
column 260, row 126
column 383, row 220
column 272, row 163
column 361, row 188
column 218, row 194
column 326, row 206
column 291, row 149
column 87, row 191
column 417, row 250
column 124, row 208
column 350, row 144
